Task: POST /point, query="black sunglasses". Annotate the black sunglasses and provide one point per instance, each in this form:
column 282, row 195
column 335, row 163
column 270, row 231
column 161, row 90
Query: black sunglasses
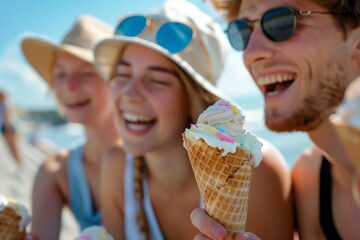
column 278, row 24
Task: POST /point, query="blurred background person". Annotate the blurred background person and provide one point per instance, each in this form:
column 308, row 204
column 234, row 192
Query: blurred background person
column 71, row 177
column 8, row 130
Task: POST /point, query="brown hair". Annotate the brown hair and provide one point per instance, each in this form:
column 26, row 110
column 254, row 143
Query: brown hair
column 139, row 165
column 347, row 17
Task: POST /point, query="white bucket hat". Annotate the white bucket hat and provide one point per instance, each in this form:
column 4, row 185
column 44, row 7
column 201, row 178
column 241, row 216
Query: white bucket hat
column 203, row 58
column 79, row 41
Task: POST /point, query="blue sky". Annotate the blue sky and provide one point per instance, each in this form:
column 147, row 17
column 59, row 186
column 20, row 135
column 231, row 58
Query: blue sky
column 52, row 19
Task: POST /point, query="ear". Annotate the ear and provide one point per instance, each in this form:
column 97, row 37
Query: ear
column 354, row 38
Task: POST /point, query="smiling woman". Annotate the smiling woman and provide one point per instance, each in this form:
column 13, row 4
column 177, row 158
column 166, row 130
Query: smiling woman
column 158, row 90
column 83, row 97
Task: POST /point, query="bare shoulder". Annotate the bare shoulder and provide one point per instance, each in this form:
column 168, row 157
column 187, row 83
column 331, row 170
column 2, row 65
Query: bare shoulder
column 273, row 163
column 114, row 157
column 306, row 168
column 273, row 173
column 270, row 197
column 113, row 164
column 50, row 192
column 112, row 174
column 54, row 165
column 305, row 178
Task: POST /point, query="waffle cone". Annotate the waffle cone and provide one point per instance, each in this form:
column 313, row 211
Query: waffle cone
column 224, row 183
column 350, row 138
column 9, row 225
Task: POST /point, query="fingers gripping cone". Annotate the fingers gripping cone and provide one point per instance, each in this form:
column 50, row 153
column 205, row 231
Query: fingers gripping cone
column 222, row 156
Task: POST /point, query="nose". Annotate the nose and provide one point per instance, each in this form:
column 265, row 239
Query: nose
column 132, row 91
column 69, row 81
column 73, row 81
column 258, row 48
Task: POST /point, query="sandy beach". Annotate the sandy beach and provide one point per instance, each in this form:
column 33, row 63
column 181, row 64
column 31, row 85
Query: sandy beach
column 17, row 183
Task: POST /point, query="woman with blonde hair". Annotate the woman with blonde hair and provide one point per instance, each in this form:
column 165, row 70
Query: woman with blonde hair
column 71, row 177
column 162, row 67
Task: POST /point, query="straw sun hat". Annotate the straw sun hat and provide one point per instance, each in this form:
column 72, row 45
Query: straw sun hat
column 203, row 57
column 79, row 41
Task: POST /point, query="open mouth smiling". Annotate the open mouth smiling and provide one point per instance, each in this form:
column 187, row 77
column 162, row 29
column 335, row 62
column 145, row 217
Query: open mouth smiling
column 136, row 122
column 77, row 103
column 273, row 85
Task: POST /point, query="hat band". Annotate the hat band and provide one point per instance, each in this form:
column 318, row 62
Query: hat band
column 173, row 36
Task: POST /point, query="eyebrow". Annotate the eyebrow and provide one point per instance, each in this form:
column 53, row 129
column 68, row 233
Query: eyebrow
column 153, row 68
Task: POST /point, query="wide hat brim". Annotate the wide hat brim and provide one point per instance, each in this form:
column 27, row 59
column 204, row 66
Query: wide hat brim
column 40, row 53
column 107, row 52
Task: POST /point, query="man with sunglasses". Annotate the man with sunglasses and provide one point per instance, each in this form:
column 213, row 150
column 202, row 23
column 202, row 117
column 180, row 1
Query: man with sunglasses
column 302, row 55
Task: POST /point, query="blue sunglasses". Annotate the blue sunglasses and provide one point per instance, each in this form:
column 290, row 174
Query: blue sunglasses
column 173, row 36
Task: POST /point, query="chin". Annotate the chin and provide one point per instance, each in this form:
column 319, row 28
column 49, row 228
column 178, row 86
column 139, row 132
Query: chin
column 298, row 121
column 135, row 151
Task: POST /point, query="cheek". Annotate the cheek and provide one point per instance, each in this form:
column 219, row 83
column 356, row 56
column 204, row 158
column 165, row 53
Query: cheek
column 116, row 92
column 58, row 94
column 177, row 110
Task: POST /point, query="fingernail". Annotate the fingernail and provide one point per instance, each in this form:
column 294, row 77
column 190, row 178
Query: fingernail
column 219, row 233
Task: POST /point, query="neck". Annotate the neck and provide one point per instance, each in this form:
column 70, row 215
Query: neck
column 170, row 169
column 99, row 138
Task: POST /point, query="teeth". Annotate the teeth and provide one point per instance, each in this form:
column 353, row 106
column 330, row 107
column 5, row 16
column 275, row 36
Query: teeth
column 137, row 127
column 271, row 79
column 135, row 118
column 271, row 94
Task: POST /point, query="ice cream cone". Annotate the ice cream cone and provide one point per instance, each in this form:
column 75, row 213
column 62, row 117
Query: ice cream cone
column 222, row 156
column 13, row 219
column 9, row 225
column 224, row 183
column 350, row 138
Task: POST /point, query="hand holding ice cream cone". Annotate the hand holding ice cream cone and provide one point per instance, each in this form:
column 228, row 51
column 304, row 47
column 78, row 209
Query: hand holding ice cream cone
column 222, row 156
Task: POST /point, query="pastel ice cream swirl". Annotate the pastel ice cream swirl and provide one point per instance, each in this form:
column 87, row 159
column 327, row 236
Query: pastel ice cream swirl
column 19, row 210
column 94, row 233
column 221, row 126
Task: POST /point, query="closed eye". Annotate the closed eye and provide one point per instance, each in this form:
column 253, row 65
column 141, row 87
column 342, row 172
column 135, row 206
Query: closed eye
column 121, row 78
column 160, row 81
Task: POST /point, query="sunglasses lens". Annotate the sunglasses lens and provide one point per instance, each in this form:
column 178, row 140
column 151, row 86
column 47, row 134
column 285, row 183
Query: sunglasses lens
column 278, row 24
column 131, row 26
column 174, row 36
column 239, row 32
